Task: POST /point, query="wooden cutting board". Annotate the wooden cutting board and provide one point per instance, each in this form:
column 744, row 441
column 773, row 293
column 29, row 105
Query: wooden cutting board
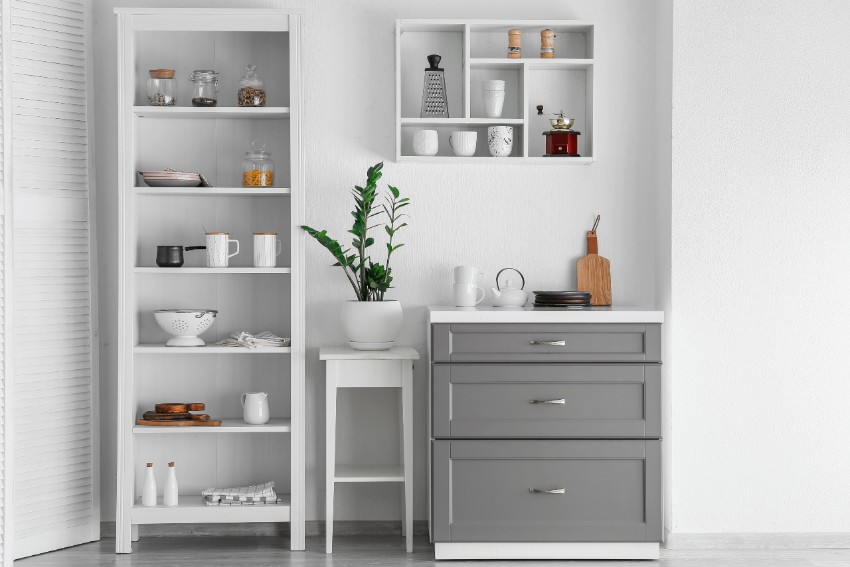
column 180, row 423
column 594, row 273
column 154, row 416
column 179, row 407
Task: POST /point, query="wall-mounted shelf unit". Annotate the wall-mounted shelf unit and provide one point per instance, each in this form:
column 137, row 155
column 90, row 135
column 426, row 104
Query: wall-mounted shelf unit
column 211, row 141
column 476, row 50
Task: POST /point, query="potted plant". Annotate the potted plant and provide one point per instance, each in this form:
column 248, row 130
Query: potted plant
column 369, row 322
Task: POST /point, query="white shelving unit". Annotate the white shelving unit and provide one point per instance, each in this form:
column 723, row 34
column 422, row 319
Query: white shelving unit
column 476, row 50
column 211, row 141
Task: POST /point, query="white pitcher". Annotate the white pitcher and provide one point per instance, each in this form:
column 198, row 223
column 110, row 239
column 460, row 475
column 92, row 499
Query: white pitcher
column 255, row 408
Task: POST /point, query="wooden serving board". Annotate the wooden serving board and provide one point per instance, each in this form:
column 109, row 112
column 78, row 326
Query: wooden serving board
column 180, row 423
column 153, row 416
column 594, row 273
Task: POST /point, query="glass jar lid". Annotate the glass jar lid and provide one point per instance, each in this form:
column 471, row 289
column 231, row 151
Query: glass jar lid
column 258, row 151
column 204, row 75
column 250, row 78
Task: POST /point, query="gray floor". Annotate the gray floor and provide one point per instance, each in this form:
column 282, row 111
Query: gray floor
column 383, row 551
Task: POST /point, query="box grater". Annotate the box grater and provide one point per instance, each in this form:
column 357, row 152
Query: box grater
column 434, row 101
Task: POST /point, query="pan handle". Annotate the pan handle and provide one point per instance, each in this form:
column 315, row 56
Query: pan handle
column 187, row 248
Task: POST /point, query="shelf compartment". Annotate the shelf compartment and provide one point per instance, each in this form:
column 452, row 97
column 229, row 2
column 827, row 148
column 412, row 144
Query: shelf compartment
column 184, row 270
column 213, row 191
column 369, row 473
column 570, row 90
column 444, row 131
column 256, row 113
column 193, row 510
column 513, row 78
column 415, row 44
column 207, row 350
column 573, row 39
column 227, row 426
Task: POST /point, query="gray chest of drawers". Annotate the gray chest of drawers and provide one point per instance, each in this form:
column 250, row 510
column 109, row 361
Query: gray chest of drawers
column 545, row 434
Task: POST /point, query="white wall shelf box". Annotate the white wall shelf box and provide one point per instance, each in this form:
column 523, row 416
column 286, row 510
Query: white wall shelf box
column 211, row 141
column 476, row 50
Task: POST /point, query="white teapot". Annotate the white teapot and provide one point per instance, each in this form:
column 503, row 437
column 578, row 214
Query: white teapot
column 509, row 296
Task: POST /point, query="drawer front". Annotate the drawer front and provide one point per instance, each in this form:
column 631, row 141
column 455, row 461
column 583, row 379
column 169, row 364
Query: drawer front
column 546, row 400
column 497, row 491
column 546, row 343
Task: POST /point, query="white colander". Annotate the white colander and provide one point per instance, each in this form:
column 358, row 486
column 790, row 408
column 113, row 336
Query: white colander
column 185, row 325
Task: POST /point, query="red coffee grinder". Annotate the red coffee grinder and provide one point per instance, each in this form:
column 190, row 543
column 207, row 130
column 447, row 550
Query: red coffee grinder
column 561, row 140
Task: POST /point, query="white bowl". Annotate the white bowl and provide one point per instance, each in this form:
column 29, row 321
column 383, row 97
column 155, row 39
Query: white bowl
column 185, row 325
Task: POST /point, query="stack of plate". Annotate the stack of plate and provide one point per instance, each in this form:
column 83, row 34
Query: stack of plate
column 171, row 178
column 563, row 299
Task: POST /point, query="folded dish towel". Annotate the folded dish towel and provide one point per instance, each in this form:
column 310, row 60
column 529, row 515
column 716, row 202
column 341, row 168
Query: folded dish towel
column 249, row 340
column 256, row 494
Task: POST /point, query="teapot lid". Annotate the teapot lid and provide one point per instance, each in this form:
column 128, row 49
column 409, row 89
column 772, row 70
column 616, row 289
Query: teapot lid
column 509, row 281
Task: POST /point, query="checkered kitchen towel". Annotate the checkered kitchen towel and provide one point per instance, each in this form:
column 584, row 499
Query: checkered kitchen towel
column 241, row 495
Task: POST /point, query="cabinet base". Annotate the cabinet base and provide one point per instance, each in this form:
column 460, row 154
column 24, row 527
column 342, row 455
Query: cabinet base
column 546, row 550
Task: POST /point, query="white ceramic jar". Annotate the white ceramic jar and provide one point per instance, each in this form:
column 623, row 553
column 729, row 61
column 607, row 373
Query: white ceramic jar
column 494, row 97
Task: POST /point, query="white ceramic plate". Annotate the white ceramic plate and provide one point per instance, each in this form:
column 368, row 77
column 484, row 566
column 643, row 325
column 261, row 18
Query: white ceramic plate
column 173, row 182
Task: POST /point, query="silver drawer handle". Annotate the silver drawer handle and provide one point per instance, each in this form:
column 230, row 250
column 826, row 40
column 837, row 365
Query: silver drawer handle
column 549, row 343
column 547, row 491
column 561, row 401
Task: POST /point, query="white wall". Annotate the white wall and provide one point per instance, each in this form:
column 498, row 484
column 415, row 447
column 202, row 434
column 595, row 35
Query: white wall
column 531, row 218
column 761, row 194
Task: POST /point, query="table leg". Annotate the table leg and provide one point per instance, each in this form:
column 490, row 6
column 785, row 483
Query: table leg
column 330, row 454
column 407, row 418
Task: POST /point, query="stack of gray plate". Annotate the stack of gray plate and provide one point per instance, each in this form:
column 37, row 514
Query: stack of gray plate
column 562, row 299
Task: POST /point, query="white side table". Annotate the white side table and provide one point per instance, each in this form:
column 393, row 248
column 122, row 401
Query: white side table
column 348, row 368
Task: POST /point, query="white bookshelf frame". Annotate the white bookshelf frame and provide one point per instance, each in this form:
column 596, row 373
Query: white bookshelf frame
column 526, row 124
column 133, row 278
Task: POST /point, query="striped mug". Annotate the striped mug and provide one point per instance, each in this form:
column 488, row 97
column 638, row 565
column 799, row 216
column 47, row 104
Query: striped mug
column 267, row 247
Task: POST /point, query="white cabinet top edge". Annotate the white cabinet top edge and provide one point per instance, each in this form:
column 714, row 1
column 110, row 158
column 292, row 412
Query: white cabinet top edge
column 493, row 25
column 488, row 314
column 204, row 20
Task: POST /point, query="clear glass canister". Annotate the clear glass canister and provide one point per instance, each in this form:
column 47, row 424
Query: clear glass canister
column 252, row 92
column 257, row 167
column 161, row 87
column 204, row 88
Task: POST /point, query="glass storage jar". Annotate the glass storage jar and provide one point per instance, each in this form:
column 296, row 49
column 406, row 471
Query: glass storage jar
column 161, row 87
column 257, row 167
column 252, row 92
column 204, row 88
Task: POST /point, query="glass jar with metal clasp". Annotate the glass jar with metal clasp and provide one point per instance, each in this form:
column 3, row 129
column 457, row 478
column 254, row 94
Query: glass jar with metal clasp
column 204, row 88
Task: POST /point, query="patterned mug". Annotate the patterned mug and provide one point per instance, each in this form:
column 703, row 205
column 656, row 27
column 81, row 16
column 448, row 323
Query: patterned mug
column 501, row 140
column 218, row 249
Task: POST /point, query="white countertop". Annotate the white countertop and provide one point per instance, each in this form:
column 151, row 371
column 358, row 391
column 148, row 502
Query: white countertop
column 489, row 314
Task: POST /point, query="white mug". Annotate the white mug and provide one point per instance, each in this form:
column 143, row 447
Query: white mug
column 267, row 247
column 466, row 295
column 425, row 143
column 501, row 140
column 255, row 408
column 466, row 275
column 463, row 143
column 218, row 246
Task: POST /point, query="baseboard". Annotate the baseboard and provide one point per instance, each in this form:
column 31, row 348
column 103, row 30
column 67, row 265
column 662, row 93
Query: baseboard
column 832, row 540
column 314, row 528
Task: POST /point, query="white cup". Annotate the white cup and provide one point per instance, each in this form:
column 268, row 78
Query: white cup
column 267, row 247
column 500, row 139
column 466, row 295
column 493, row 93
column 425, row 143
column 218, row 246
column 466, row 275
column 255, row 408
column 463, row 143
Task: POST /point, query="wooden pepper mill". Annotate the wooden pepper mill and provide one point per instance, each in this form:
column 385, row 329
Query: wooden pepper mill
column 514, row 44
column 547, row 44
column 594, row 271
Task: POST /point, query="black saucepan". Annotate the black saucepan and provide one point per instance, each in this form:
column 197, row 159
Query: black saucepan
column 172, row 256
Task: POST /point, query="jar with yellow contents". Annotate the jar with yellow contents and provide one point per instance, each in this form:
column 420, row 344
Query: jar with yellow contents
column 257, row 167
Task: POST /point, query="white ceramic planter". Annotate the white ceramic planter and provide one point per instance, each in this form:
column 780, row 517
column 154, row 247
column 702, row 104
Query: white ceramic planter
column 371, row 325
column 493, row 93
